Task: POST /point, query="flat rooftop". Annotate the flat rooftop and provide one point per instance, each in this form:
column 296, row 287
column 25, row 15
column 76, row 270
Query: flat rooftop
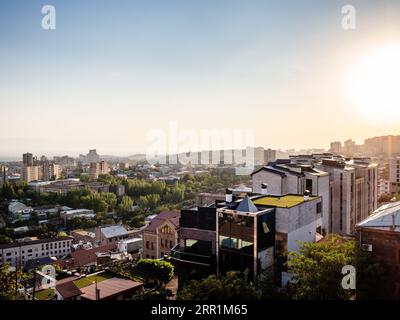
column 285, row 201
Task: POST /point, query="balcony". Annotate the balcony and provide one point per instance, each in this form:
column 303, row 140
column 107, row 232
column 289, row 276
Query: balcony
column 191, row 256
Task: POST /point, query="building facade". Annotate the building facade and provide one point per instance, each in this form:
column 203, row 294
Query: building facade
column 19, row 253
column 161, row 235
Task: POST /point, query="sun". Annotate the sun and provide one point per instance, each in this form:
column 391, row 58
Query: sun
column 374, row 84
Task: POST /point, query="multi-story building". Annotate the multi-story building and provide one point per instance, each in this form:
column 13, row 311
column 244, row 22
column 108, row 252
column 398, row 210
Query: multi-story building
column 336, row 147
column 31, row 173
column 349, row 189
column 51, row 171
column 98, row 168
column 27, row 159
column 161, row 235
column 19, row 253
column 394, row 174
column 253, row 233
column 295, row 175
column 379, row 235
column 112, row 235
column 353, row 191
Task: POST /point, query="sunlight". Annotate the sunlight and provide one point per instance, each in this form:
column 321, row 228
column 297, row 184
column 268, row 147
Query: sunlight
column 374, row 84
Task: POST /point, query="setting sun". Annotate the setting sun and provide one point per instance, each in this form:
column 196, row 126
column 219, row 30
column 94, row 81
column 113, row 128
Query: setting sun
column 374, row 83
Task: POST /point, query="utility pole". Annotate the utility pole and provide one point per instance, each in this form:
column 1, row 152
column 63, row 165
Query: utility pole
column 34, row 280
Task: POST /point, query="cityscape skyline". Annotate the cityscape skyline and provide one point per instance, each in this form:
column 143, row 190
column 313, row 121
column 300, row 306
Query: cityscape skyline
column 179, row 62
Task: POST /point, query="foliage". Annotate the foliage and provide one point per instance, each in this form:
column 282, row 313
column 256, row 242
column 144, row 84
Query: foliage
column 161, row 294
column 158, row 270
column 125, row 205
column 8, row 283
column 316, row 270
column 233, row 286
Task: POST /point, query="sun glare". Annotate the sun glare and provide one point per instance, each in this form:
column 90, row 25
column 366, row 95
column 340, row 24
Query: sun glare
column 374, row 84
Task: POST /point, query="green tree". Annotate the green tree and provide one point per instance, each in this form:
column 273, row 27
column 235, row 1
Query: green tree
column 125, row 205
column 233, row 286
column 8, row 283
column 159, row 271
column 317, row 268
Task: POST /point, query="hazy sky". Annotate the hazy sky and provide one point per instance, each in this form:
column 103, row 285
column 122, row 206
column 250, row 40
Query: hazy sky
column 113, row 70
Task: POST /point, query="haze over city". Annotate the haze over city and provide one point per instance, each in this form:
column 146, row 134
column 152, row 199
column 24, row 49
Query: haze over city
column 111, row 71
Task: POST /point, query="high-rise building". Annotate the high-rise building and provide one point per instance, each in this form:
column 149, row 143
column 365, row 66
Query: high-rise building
column 98, row 168
column 394, row 174
column 51, row 171
column 27, row 159
column 336, row 147
column 31, row 173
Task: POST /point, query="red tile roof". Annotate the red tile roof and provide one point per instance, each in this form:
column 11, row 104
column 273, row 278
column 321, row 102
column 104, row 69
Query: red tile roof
column 68, row 290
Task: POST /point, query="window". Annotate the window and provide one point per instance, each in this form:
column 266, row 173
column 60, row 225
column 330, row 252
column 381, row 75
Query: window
column 319, row 207
column 309, row 185
column 170, row 244
column 152, row 246
column 147, row 244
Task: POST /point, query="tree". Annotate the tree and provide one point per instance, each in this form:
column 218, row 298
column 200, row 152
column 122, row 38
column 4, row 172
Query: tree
column 233, row 286
column 158, row 270
column 9, row 281
column 125, row 205
column 317, row 270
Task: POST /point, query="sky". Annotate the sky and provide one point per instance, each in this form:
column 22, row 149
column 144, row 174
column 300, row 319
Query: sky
column 113, row 71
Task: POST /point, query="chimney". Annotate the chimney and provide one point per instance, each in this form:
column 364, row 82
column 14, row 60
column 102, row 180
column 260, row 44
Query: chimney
column 306, row 195
column 264, row 188
column 228, row 196
column 393, row 222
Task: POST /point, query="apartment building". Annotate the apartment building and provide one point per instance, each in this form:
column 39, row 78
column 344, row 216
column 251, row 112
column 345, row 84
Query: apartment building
column 51, row 171
column 295, row 176
column 98, row 168
column 353, row 191
column 349, row 189
column 19, row 253
column 394, row 174
column 161, row 235
column 31, row 173
column 27, row 159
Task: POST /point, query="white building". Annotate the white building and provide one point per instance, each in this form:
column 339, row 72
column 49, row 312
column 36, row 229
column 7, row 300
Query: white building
column 18, row 253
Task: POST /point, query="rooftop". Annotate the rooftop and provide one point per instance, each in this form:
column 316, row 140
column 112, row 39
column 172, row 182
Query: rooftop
column 386, row 217
column 114, row 231
column 285, row 201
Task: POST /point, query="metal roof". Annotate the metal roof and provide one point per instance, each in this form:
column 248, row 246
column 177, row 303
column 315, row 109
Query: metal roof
column 114, row 231
column 386, row 217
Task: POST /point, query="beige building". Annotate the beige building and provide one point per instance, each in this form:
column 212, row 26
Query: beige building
column 31, row 173
column 394, row 174
column 51, row 171
column 98, row 168
column 161, row 235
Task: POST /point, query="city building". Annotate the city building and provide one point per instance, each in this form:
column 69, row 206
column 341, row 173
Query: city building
column 31, row 173
column 253, row 233
column 161, row 235
column 27, row 159
column 294, row 175
column 113, row 234
column 98, row 168
column 379, row 235
column 394, row 174
column 51, row 171
column 349, row 188
column 19, row 253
